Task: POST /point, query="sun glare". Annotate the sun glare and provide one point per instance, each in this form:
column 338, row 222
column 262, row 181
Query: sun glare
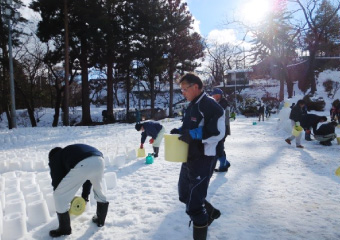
column 255, row 10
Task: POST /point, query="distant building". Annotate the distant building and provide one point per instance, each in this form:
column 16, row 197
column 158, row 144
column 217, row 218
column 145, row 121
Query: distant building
column 238, row 77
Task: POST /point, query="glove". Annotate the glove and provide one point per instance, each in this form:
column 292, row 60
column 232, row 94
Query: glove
column 151, row 141
column 186, row 137
column 175, row 131
column 308, row 131
column 141, row 146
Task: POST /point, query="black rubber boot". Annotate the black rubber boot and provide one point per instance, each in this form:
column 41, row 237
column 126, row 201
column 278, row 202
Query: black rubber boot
column 155, row 151
column 200, row 232
column 213, row 213
column 99, row 219
column 64, row 225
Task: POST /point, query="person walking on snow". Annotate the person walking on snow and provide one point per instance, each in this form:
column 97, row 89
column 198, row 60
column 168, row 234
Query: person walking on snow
column 217, row 94
column 153, row 130
column 296, row 117
column 70, row 168
column 202, row 128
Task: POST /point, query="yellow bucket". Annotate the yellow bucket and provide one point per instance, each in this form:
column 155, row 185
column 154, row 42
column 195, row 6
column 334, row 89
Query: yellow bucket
column 141, row 152
column 297, row 130
column 338, row 140
column 175, row 150
column 337, row 172
column 77, row 206
column 286, row 105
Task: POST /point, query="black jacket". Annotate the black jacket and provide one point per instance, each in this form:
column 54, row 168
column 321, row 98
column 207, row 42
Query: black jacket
column 310, row 121
column 204, row 112
column 296, row 113
column 325, row 129
column 67, row 158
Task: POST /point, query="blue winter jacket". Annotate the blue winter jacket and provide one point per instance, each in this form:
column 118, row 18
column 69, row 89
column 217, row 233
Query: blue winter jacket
column 151, row 129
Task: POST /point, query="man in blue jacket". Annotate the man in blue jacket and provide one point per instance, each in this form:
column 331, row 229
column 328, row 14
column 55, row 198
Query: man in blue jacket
column 70, row 168
column 203, row 127
column 217, row 94
column 153, row 130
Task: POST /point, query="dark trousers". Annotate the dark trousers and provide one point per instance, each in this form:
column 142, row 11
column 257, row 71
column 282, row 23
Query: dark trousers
column 193, row 185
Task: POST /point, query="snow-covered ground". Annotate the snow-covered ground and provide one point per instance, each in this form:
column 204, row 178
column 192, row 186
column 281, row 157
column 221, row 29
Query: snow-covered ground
column 272, row 190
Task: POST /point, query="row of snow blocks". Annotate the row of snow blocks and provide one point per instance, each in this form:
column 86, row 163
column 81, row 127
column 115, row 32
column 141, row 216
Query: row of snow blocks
column 24, row 164
column 120, row 158
column 26, row 201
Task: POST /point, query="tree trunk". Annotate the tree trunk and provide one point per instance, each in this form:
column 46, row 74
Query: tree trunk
column 86, row 115
column 66, row 118
column 109, row 103
column 57, row 108
column 171, row 83
column 152, row 92
column 310, row 77
column 128, row 86
column 30, row 108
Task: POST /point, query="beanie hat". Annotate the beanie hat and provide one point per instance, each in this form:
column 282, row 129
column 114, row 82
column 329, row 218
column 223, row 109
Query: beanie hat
column 138, row 126
column 217, row 91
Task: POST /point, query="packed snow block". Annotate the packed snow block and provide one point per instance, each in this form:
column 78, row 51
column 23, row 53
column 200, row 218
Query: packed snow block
column 14, row 195
column 50, row 203
column 107, row 161
column 32, row 197
column 14, row 226
column 33, row 188
column 3, row 166
column 37, row 213
column 27, row 180
column 39, row 165
column 119, row 160
column 27, row 165
column 15, row 206
column 131, row 154
column 111, row 180
column 14, row 165
column 12, row 185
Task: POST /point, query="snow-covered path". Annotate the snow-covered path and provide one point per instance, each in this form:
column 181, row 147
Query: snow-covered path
column 272, row 190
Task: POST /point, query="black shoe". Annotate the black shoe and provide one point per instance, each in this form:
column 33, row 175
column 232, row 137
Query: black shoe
column 99, row 219
column 200, row 232
column 212, row 212
column 222, row 169
column 64, row 225
column 156, row 150
column 326, row 143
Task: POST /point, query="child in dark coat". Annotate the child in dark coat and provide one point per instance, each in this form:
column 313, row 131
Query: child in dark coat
column 153, row 130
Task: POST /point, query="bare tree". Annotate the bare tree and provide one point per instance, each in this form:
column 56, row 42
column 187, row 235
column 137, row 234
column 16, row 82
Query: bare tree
column 314, row 30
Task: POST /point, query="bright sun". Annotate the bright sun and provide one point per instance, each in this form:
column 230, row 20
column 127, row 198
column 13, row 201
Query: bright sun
column 255, row 10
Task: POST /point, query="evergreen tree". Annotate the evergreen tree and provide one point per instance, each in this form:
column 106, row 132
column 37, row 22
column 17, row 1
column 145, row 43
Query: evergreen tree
column 183, row 45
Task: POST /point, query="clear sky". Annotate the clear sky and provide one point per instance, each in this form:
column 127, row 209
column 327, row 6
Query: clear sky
column 212, row 13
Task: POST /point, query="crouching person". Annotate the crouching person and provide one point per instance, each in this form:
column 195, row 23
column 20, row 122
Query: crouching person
column 326, row 133
column 70, row 168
